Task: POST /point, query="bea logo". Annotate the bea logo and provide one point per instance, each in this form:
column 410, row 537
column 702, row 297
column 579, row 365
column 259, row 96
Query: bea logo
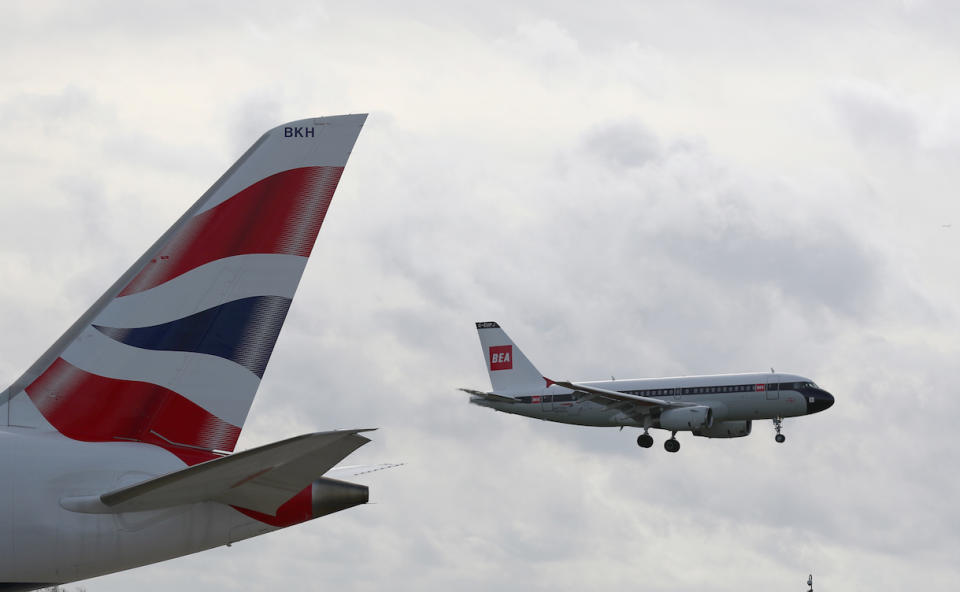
column 501, row 357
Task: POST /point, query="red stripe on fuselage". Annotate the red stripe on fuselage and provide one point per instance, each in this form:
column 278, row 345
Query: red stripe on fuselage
column 295, row 510
column 281, row 214
column 93, row 408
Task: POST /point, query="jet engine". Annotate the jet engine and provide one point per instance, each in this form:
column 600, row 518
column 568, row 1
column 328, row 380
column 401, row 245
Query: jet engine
column 693, row 418
column 725, row 429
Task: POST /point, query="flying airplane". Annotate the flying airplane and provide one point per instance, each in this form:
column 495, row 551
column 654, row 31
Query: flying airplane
column 117, row 443
column 715, row 406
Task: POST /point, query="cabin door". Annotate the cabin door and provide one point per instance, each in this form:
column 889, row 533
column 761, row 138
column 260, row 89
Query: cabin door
column 773, row 391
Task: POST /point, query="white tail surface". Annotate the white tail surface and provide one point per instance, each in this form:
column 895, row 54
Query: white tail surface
column 510, row 371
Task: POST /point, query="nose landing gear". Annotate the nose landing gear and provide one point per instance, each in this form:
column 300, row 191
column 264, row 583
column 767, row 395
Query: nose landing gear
column 778, row 425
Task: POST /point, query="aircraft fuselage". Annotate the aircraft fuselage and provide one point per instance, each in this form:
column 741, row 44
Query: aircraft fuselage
column 41, row 541
column 732, row 397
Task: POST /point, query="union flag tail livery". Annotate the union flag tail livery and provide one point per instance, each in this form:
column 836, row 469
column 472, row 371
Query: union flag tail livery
column 716, row 406
column 173, row 352
column 132, row 412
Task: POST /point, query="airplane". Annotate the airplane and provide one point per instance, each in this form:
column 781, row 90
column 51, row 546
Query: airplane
column 715, row 406
column 117, row 444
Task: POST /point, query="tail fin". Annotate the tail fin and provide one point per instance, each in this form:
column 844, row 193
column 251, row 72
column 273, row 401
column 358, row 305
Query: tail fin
column 510, row 370
column 172, row 353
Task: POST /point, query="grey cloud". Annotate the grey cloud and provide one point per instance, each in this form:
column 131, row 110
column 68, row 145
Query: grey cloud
column 135, row 148
column 690, row 217
column 252, row 117
column 50, row 112
column 65, row 21
column 897, row 120
column 626, row 145
column 875, row 118
column 815, row 265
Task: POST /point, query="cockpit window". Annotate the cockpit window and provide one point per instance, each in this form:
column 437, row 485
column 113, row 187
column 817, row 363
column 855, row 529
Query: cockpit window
column 797, row 386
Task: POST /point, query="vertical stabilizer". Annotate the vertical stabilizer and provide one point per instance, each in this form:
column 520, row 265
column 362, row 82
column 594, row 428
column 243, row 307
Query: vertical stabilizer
column 172, row 354
column 510, row 371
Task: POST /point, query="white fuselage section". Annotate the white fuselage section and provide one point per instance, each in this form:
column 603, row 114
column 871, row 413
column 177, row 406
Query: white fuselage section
column 733, row 397
column 41, row 542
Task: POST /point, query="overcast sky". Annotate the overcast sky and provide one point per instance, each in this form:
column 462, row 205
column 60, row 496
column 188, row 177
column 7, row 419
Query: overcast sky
column 630, row 189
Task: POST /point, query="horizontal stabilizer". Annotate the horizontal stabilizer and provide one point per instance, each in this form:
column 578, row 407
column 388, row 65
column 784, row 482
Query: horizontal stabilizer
column 490, row 396
column 260, row 479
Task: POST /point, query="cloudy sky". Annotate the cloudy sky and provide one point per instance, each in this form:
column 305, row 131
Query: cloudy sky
column 632, row 190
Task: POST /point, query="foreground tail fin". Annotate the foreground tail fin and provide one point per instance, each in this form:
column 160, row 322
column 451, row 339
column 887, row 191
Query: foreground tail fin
column 173, row 352
column 510, row 370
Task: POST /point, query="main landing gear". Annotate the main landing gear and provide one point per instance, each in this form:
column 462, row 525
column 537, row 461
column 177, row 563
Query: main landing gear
column 645, row 440
column 672, row 445
column 778, row 425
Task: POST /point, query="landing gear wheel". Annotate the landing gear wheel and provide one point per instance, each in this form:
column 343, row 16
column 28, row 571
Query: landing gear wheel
column 671, row 445
column 778, row 425
column 644, row 440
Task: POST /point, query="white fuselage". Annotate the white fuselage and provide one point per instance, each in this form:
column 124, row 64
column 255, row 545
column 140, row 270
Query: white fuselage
column 733, row 397
column 41, row 542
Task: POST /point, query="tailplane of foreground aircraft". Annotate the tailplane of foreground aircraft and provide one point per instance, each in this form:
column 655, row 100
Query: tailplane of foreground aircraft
column 715, row 406
column 117, row 443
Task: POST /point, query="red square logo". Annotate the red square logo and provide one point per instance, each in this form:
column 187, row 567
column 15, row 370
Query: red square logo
column 501, row 357
column 761, row 387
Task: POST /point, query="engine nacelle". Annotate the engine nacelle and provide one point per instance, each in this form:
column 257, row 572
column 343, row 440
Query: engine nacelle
column 332, row 495
column 693, row 418
column 726, row 429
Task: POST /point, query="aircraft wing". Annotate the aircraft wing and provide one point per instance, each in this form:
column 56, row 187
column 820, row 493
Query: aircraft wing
column 490, row 396
column 633, row 405
column 260, row 479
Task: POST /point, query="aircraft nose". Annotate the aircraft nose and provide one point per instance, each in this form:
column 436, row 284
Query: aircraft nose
column 819, row 400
